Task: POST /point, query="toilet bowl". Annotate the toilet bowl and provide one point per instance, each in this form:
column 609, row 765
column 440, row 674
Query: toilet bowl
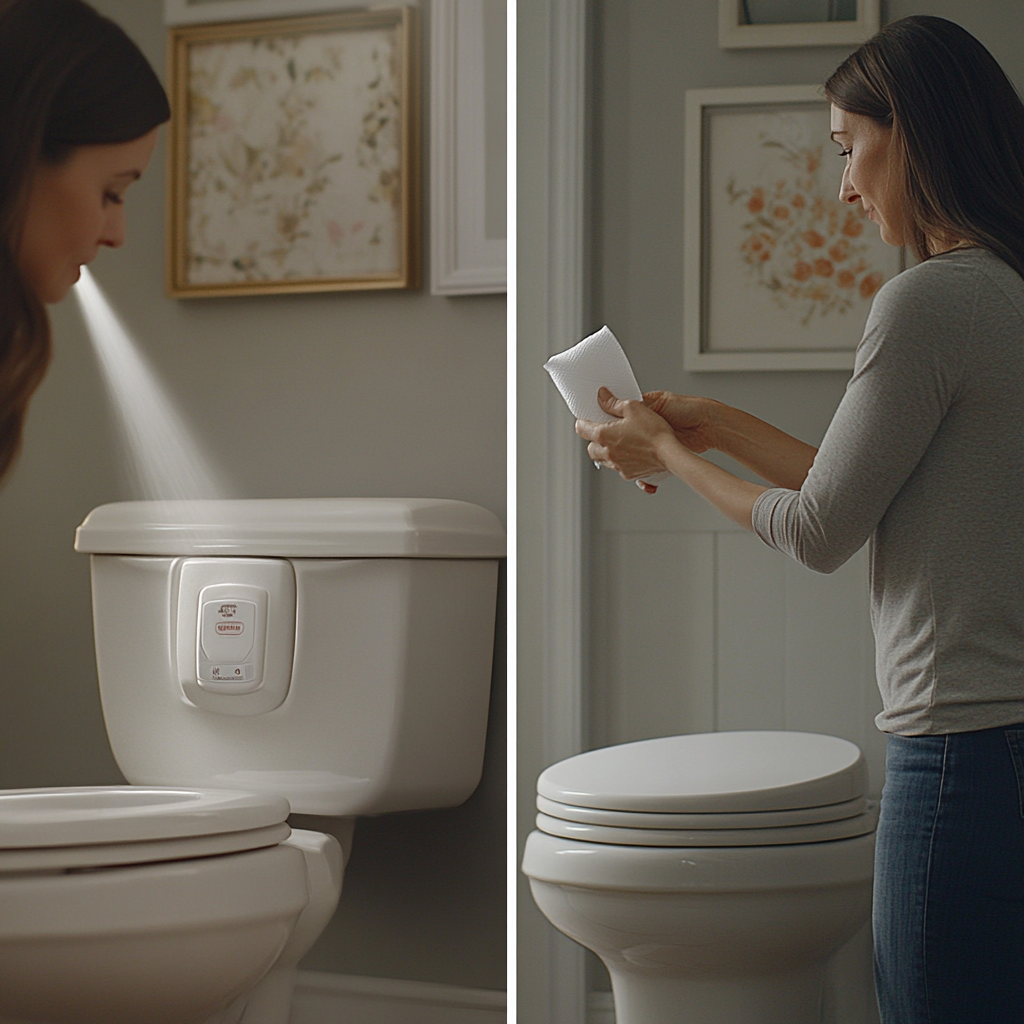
column 137, row 905
column 715, row 875
column 255, row 658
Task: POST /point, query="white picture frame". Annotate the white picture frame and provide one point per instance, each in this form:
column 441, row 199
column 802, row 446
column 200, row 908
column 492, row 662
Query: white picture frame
column 777, row 274
column 465, row 258
column 734, row 33
column 201, row 12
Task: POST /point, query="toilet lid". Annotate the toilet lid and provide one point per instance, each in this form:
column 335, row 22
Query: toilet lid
column 106, row 815
column 734, row 772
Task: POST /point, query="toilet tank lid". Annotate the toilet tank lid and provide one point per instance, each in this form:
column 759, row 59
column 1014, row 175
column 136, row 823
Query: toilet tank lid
column 708, row 772
column 295, row 528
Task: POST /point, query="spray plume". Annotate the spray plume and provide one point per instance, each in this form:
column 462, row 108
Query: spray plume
column 162, row 459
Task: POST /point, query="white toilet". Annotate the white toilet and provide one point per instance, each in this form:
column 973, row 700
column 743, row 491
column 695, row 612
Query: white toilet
column 256, row 658
column 714, row 874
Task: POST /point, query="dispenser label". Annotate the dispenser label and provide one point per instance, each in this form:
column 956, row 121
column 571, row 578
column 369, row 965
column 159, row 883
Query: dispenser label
column 231, row 673
column 226, row 631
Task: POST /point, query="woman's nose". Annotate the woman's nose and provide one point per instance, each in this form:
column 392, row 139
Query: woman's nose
column 113, row 229
column 847, row 193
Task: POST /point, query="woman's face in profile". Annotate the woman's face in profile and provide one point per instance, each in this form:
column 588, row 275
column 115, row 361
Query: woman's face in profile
column 868, row 177
column 74, row 207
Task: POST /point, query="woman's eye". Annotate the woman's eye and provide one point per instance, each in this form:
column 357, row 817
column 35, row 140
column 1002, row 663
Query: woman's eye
column 113, row 197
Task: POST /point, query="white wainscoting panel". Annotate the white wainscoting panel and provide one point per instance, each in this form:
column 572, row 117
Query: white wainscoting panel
column 705, row 629
column 600, row 1008
column 751, row 640
column 659, row 662
column 322, row 998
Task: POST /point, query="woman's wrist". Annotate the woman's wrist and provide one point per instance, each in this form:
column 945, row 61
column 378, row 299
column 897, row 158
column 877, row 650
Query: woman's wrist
column 722, row 424
column 669, row 448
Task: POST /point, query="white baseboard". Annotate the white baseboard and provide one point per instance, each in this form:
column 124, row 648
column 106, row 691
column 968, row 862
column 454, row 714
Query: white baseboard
column 322, row 998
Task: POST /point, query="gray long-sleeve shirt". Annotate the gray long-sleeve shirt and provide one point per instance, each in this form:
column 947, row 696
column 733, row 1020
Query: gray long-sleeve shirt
column 925, row 456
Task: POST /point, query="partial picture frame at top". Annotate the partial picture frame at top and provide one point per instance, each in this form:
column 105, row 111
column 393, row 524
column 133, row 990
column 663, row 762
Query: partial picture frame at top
column 294, row 155
column 778, row 273
column 468, row 189
column 764, row 23
column 195, row 12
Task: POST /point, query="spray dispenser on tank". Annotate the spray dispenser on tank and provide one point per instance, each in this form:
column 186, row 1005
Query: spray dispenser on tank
column 335, row 651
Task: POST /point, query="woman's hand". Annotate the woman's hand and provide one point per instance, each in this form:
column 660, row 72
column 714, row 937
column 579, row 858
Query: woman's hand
column 632, row 444
column 688, row 416
column 639, row 443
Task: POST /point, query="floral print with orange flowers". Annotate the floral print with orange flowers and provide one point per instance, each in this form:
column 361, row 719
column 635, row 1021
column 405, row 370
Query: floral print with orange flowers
column 807, row 249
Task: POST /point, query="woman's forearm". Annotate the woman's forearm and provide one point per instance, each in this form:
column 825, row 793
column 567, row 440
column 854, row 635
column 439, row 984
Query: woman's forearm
column 729, row 494
column 771, row 453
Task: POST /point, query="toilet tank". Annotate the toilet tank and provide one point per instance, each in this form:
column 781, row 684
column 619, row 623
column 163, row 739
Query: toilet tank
column 336, row 651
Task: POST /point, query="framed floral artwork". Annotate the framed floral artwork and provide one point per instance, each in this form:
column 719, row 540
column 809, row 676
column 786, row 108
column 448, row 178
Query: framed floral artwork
column 294, row 156
column 778, row 273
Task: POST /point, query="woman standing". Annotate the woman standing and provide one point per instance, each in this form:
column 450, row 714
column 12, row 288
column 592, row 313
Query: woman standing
column 924, row 458
column 79, row 111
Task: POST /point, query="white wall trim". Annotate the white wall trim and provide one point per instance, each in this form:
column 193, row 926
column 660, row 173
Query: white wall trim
column 463, row 260
column 563, row 540
column 322, row 998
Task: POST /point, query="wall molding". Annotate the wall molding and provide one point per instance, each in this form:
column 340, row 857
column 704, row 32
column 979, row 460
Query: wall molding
column 322, row 998
column 563, row 528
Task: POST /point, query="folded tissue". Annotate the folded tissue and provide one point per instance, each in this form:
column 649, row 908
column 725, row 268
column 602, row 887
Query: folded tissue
column 596, row 362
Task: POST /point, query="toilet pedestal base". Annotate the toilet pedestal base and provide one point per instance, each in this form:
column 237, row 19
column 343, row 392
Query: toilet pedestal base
column 269, row 1002
column 706, row 957
column 793, row 998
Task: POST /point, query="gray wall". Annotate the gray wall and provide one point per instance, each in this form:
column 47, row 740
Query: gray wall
column 369, row 394
column 644, row 55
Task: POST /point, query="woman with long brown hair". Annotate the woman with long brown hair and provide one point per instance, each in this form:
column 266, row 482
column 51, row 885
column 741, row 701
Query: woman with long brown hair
column 925, row 459
column 79, row 110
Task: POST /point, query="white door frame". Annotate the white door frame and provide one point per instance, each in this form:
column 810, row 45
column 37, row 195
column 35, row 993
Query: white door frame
column 563, row 533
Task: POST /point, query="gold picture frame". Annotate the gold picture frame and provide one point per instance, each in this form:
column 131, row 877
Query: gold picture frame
column 294, row 163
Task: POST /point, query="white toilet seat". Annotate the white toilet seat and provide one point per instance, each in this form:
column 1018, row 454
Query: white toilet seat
column 57, row 829
column 710, row 790
column 820, row 832
column 711, row 820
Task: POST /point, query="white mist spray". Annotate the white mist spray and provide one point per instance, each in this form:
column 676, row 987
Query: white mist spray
column 162, row 459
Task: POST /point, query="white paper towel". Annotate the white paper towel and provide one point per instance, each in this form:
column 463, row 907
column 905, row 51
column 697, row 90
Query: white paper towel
column 596, row 362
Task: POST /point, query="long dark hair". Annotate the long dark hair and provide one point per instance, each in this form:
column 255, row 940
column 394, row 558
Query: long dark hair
column 68, row 77
column 957, row 132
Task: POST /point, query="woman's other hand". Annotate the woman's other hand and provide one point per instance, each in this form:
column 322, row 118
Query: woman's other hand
column 689, row 417
column 631, row 443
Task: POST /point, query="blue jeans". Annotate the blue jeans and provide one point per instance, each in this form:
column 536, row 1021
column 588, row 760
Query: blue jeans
column 949, row 880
